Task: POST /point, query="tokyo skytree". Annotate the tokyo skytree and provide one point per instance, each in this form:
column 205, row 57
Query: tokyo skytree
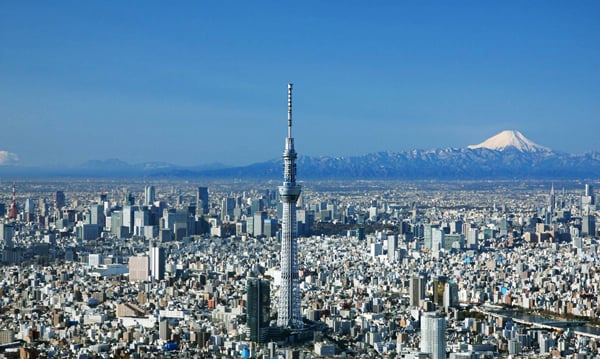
column 289, row 310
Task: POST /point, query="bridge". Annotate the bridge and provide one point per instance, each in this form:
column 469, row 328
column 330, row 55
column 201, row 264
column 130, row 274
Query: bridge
column 556, row 325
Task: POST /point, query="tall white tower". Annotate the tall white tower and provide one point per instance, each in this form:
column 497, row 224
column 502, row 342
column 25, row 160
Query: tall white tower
column 289, row 310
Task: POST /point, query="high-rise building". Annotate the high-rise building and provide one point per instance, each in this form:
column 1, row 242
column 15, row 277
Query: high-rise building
column 129, row 200
column 7, row 233
column 438, row 290
column 128, row 211
column 60, row 199
column 259, row 223
column 29, row 210
column 417, row 290
column 202, row 201
column 588, row 225
column 433, row 336
column 116, row 224
column 589, row 192
column 392, row 246
column 164, row 332
column 427, row 234
column 450, row 295
column 141, row 219
column 42, row 206
column 138, row 268
column 149, row 195
column 227, row 209
column 437, row 239
column 97, row 215
column 270, row 227
column 551, row 201
column 29, row 206
column 157, row 262
column 588, row 200
column 472, row 236
column 289, row 310
column 259, row 307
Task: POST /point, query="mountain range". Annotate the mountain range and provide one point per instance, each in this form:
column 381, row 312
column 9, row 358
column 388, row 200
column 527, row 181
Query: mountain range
column 507, row 155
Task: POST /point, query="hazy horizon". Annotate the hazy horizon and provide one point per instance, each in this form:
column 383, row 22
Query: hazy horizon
column 201, row 83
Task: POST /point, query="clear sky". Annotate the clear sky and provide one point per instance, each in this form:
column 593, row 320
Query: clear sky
column 205, row 81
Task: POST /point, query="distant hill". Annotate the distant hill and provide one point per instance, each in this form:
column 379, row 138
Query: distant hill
column 449, row 163
column 507, row 155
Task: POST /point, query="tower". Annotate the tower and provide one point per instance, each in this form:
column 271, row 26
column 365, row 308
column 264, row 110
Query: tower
column 289, row 314
column 14, row 212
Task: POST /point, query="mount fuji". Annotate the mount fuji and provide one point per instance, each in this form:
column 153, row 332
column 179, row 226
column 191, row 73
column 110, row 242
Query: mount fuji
column 510, row 139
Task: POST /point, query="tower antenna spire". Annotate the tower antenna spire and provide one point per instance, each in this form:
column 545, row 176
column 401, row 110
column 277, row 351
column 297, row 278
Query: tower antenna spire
column 290, row 109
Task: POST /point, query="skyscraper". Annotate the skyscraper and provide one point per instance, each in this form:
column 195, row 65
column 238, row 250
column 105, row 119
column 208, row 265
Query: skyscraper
column 433, row 336
column 259, row 307
column 202, row 201
column 552, row 200
column 588, row 225
column 59, row 199
column 227, row 209
column 157, row 262
column 289, row 314
column 149, row 195
column 417, row 290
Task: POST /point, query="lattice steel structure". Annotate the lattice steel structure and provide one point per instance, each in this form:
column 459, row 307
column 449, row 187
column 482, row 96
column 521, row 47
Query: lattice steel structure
column 289, row 310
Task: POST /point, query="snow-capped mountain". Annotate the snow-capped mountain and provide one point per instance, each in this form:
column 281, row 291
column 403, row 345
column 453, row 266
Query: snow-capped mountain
column 508, row 155
column 510, row 139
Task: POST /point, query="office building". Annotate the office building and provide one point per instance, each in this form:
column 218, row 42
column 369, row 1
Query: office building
column 270, row 227
column 433, row 336
column 7, row 233
column 227, row 209
column 259, row 223
column 202, row 201
column 139, row 268
column 149, row 195
column 427, row 235
column 392, row 246
column 157, row 262
column 417, row 290
column 59, row 199
column 588, row 225
column 450, row 295
column 437, row 239
column 97, row 215
column 259, row 308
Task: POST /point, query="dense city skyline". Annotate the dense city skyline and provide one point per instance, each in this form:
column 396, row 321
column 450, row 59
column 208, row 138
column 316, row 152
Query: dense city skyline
column 199, row 83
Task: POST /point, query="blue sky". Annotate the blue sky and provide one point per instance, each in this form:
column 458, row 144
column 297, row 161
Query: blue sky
column 205, row 81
